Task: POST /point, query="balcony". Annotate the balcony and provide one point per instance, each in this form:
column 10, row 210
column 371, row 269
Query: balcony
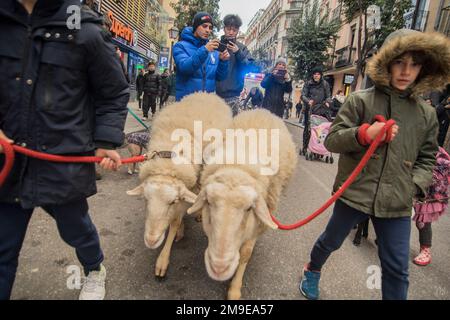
column 336, row 13
column 345, row 57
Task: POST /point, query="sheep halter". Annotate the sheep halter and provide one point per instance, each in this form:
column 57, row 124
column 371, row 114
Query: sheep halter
column 373, row 146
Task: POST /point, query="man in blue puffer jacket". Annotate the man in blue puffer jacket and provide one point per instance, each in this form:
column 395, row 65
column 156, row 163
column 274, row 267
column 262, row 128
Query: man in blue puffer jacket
column 199, row 64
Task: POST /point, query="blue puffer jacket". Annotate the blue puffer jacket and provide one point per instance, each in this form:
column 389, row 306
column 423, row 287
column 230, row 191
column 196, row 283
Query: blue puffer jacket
column 197, row 69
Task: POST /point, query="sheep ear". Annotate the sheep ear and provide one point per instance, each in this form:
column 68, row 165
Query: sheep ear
column 199, row 203
column 136, row 191
column 262, row 212
column 187, row 195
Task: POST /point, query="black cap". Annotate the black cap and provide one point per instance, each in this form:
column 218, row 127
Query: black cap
column 201, row 18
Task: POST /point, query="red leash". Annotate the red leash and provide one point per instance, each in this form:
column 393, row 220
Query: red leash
column 373, row 146
column 10, row 151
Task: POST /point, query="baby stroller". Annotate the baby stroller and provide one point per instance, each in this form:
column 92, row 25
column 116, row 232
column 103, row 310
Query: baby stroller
column 316, row 130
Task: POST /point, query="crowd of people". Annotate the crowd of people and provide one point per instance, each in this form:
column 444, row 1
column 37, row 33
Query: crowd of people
column 56, row 105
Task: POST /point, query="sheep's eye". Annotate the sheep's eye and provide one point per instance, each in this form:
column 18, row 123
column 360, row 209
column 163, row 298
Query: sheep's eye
column 174, row 201
column 249, row 209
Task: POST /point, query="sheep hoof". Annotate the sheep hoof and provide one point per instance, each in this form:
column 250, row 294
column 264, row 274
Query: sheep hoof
column 161, row 267
column 160, row 279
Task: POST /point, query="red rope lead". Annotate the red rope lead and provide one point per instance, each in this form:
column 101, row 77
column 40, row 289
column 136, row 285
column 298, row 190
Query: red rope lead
column 374, row 145
column 10, row 150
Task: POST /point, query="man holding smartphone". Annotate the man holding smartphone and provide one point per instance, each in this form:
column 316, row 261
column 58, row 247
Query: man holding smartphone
column 240, row 62
column 277, row 84
column 198, row 61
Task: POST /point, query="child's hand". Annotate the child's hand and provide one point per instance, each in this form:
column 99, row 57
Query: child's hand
column 112, row 159
column 376, row 127
column 2, row 136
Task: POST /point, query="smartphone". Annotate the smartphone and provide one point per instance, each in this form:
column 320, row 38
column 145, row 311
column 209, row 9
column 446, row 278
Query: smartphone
column 281, row 73
column 222, row 47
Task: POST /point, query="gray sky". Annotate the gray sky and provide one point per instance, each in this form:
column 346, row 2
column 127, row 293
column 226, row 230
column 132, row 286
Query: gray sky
column 246, row 9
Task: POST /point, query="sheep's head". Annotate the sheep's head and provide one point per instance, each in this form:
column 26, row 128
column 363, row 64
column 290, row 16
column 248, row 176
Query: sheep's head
column 166, row 199
column 230, row 216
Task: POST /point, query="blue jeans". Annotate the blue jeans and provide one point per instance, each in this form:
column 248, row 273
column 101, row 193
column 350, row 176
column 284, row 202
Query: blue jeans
column 74, row 226
column 393, row 236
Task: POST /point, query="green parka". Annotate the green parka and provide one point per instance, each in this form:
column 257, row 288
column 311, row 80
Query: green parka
column 403, row 168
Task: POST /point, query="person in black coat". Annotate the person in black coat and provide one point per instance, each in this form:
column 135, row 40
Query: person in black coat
column 443, row 113
column 256, row 96
column 316, row 95
column 165, row 88
column 63, row 92
column 277, row 84
column 140, row 86
column 152, row 89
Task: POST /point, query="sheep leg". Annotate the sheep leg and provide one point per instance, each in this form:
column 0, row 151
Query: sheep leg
column 234, row 292
column 163, row 260
column 180, row 232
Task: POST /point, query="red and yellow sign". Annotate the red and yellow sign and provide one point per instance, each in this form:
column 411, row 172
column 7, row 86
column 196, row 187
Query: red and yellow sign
column 119, row 29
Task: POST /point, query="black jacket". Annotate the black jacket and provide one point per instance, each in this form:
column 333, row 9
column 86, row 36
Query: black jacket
column 444, row 121
column 317, row 91
column 140, row 79
column 152, row 83
column 240, row 64
column 68, row 98
column 257, row 98
column 274, row 96
column 165, row 84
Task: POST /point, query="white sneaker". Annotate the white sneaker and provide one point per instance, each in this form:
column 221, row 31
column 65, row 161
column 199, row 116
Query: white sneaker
column 94, row 285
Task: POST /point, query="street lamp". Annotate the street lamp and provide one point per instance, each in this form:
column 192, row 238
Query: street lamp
column 173, row 34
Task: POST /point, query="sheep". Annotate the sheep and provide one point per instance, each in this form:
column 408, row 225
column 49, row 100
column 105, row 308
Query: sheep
column 169, row 186
column 236, row 201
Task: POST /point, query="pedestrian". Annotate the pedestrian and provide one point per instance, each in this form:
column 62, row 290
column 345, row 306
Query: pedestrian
column 276, row 83
column 172, row 85
column 338, row 101
column 165, row 88
column 239, row 64
column 298, row 109
column 124, row 69
column 140, row 86
column 152, row 89
column 256, row 96
column 443, row 114
column 199, row 64
column 137, row 142
column 316, row 95
column 432, row 207
column 79, row 97
column 399, row 169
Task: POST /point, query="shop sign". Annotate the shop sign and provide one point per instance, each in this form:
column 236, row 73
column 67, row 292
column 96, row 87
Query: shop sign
column 120, row 29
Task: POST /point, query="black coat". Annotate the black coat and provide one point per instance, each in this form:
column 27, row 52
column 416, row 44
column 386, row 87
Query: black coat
column 257, row 98
column 68, row 98
column 152, row 84
column 444, row 121
column 140, row 82
column 274, row 96
column 165, row 84
column 240, row 64
column 317, row 91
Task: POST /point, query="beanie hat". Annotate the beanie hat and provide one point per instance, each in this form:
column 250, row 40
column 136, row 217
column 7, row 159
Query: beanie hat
column 317, row 70
column 281, row 60
column 201, row 18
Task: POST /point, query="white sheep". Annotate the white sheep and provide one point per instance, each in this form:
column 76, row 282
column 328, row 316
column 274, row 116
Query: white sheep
column 236, row 201
column 167, row 186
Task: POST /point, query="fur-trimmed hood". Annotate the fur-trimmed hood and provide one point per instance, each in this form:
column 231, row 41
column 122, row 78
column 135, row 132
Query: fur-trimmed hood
column 436, row 46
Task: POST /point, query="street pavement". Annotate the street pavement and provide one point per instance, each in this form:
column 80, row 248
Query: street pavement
column 273, row 272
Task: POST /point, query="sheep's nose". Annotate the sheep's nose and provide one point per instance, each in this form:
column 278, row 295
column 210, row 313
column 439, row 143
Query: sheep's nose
column 220, row 267
column 150, row 240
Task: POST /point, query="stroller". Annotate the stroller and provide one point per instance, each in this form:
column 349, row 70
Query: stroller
column 314, row 134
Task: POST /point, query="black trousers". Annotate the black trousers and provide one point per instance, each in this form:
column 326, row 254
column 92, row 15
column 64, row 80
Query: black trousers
column 75, row 228
column 139, row 94
column 149, row 103
column 425, row 234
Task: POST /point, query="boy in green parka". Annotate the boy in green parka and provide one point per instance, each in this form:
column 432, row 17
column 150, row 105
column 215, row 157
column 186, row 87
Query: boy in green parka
column 409, row 64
